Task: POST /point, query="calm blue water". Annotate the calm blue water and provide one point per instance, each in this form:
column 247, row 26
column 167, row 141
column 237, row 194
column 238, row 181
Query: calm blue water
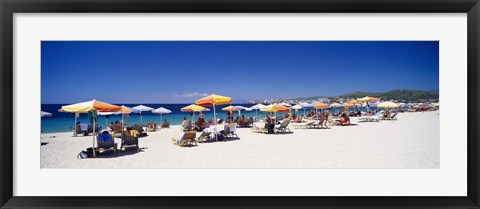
column 63, row 122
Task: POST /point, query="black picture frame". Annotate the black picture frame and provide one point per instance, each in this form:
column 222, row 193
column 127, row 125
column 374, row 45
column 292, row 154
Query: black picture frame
column 9, row 7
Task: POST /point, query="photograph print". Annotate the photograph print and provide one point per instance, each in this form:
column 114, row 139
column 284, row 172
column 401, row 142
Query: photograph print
column 240, row 105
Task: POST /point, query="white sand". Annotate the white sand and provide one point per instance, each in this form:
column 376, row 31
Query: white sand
column 412, row 141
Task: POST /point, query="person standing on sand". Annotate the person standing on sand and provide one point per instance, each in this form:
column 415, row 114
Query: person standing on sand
column 326, row 114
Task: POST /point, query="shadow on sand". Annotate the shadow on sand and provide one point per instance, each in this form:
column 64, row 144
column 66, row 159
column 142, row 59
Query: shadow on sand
column 120, row 153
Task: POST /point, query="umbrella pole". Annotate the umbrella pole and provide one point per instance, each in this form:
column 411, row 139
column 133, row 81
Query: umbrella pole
column 75, row 126
column 93, row 136
column 141, row 119
column 215, row 118
column 123, row 123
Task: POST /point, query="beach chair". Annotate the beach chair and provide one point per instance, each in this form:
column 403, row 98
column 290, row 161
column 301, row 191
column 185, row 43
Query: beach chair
column 391, row 117
column 318, row 124
column 302, row 125
column 188, row 138
column 106, row 142
column 376, row 118
column 90, row 128
column 139, row 129
column 230, row 131
column 129, row 141
column 81, row 129
column 385, row 116
column 258, row 128
column 283, row 127
column 204, row 137
column 117, row 131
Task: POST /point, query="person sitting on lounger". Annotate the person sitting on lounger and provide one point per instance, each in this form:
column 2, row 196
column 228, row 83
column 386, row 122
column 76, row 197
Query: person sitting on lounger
column 200, row 125
column 298, row 119
column 269, row 124
column 165, row 124
column 184, row 122
column 344, row 119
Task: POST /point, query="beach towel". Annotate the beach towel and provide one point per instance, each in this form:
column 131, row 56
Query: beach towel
column 83, row 127
column 104, row 137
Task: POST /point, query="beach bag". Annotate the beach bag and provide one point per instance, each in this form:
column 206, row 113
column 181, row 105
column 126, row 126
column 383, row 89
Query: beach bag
column 83, row 155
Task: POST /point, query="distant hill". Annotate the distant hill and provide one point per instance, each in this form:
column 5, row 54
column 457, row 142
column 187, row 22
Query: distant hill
column 403, row 95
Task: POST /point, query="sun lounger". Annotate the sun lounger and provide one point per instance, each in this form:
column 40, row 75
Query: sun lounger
column 139, row 129
column 392, row 116
column 283, row 128
column 230, row 131
column 106, row 142
column 188, row 138
column 204, row 137
column 128, row 141
column 376, row 118
column 302, row 125
column 90, row 128
column 259, row 128
column 318, row 124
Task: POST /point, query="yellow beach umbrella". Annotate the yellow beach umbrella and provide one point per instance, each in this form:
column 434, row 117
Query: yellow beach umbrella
column 214, row 100
column 348, row 105
column 229, row 108
column 124, row 110
column 368, row 99
column 387, row 105
column 334, row 105
column 84, row 107
column 275, row 108
column 193, row 107
column 319, row 105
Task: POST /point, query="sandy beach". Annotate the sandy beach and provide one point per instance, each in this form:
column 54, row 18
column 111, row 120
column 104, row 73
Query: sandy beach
column 412, row 141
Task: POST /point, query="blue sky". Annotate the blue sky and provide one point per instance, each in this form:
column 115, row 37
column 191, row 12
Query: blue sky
column 182, row 71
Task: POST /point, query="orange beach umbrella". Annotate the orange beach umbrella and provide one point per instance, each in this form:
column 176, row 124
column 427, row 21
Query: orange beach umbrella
column 319, row 105
column 85, row 107
column 193, row 107
column 88, row 106
column 229, row 108
column 214, row 100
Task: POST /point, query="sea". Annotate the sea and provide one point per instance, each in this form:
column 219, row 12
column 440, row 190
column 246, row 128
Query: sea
column 64, row 122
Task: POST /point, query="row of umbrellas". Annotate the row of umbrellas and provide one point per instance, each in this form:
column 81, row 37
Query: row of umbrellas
column 102, row 108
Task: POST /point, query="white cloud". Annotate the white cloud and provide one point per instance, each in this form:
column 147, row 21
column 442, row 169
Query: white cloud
column 189, row 95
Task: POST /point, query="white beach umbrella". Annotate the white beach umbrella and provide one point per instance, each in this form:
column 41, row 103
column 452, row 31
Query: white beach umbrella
column 161, row 111
column 256, row 108
column 305, row 105
column 297, row 107
column 106, row 114
column 142, row 108
column 240, row 108
column 45, row 114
